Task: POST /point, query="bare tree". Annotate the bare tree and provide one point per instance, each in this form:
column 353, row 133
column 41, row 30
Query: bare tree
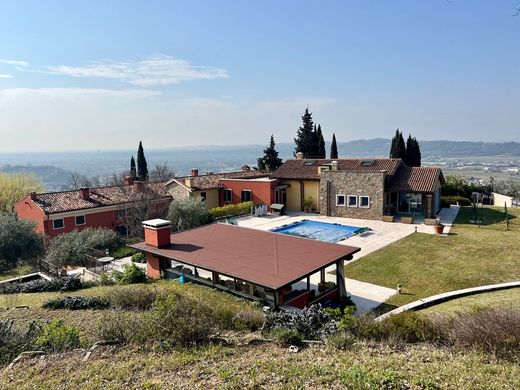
column 161, row 172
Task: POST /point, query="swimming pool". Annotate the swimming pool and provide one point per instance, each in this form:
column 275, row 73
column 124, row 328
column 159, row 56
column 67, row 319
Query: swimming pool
column 323, row 231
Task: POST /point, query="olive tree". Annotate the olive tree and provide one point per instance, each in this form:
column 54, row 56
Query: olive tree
column 188, row 213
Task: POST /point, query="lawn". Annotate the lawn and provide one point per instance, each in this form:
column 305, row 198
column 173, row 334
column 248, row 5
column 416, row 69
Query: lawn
column 425, row 264
column 23, row 270
column 503, row 299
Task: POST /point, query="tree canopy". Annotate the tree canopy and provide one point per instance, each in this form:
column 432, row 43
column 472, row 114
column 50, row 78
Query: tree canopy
column 333, row 147
column 133, row 171
column 270, row 161
column 14, row 186
column 413, row 152
column 398, row 147
column 142, row 165
column 321, row 153
column 18, row 241
column 188, row 213
column 309, row 138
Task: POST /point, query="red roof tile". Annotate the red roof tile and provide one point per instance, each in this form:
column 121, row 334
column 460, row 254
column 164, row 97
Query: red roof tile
column 210, row 181
column 62, row 201
column 307, row 169
column 415, row 179
column 264, row 258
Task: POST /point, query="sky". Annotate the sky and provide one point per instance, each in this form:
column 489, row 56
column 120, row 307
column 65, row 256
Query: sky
column 101, row 75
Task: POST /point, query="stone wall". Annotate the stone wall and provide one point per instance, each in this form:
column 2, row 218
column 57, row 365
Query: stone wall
column 347, row 183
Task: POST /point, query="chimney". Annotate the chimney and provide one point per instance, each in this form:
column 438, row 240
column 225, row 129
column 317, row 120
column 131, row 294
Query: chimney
column 128, row 180
column 138, row 186
column 157, row 232
column 194, row 172
column 84, row 193
column 246, row 168
column 334, row 165
column 299, row 156
column 33, row 195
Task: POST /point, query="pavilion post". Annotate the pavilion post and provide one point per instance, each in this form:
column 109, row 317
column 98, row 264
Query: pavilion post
column 340, row 278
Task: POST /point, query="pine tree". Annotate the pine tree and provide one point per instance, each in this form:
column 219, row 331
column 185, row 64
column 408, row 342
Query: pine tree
column 270, row 161
column 304, row 140
column 321, row 143
column 333, row 147
column 142, row 166
column 133, row 171
column 413, row 152
column 398, row 148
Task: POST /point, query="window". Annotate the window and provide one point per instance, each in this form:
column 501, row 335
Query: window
column 340, row 200
column 228, row 195
column 352, row 201
column 203, row 196
column 121, row 213
column 80, row 220
column 58, row 223
column 246, row 195
column 364, row 201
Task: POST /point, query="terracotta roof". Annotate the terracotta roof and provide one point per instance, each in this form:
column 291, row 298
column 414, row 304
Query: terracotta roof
column 308, row 168
column 264, row 258
column 415, row 179
column 62, row 201
column 210, row 181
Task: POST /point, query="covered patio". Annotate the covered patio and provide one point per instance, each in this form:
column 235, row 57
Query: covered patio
column 273, row 268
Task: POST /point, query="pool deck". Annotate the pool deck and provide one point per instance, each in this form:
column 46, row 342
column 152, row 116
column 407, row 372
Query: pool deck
column 366, row 296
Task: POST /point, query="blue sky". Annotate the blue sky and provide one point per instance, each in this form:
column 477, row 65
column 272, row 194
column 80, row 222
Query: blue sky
column 101, row 75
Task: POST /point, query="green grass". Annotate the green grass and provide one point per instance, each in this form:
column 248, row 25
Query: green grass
column 503, row 299
column 22, row 270
column 123, row 251
column 425, row 264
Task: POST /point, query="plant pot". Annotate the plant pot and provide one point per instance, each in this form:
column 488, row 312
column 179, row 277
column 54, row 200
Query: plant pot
column 388, row 218
column 438, row 229
column 407, row 220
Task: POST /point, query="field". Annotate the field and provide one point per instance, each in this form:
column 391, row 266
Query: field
column 23, row 270
column 425, row 265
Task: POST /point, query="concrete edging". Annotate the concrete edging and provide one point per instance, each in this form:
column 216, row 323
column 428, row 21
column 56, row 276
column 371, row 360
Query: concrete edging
column 440, row 298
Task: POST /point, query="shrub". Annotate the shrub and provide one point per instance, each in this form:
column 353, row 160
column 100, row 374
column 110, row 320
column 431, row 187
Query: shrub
column 231, row 210
column 131, row 274
column 14, row 340
column 139, row 257
column 286, row 336
column 131, row 298
column 75, row 303
column 251, row 320
column 341, row 340
column 69, row 283
column 125, row 327
column 188, row 213
column 105, row 280
column 55, row 336
column 313, row 323
column 123, row 251
column 410, row 327
column 446, row 201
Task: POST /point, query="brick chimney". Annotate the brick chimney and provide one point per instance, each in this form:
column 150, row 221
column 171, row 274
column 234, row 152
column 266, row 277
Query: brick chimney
column 157, row 232
column 138, row 185
column 84, row 193
column 194, row 172
column 128, row 180
column 33, row 195
column 299, row 156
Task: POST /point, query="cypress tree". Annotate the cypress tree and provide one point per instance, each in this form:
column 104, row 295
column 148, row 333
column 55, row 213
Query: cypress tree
column 333, row 147
column 321, row 143
column 142, row 166
column 305, row 136
column 270, row 161
column 398, row 147
column 133, row 171
column 413, row 152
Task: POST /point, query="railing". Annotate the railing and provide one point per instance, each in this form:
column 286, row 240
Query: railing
column 48, row 268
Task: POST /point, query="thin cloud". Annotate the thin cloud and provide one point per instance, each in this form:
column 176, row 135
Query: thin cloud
column 67, row 93
column 151, row 71
column 16, row 63
column 5, row 76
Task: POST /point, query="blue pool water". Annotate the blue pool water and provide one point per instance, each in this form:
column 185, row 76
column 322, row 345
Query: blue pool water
column 323, row 231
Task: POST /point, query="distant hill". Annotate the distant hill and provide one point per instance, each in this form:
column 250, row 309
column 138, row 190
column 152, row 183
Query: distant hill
column 53, row 178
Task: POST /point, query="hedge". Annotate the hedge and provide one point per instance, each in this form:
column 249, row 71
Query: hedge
column 231, row 210
column 447, row 200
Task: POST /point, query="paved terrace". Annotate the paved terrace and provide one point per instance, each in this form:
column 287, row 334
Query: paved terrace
column 366, row 296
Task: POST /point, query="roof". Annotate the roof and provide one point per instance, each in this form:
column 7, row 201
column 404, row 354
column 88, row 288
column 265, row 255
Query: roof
column 267, row 259
column 211, row 181
column 415, row 179
column 63, row 201
column 307, row 169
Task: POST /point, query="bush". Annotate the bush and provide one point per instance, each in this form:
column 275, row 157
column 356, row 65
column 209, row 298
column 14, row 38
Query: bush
column 76, row 303
column 341, row 340
column 105, row 279
column 131, row 298
column 313, row 323
column 446, row 201
column 231, row 210
column 55, row 336
column 73, row 248
column 14, row 340
column 131, row 274
column 125, row 327
column 410, row 327
column 139, row 257
column 251, row 320
column 123, row 251
column 70, row 283
column 286, row 336
column 188, row 213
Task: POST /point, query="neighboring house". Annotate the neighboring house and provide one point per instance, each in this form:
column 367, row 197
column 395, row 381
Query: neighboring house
column 219, row 189
column 504, row 200
column 61, row 212
column 356, row 188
